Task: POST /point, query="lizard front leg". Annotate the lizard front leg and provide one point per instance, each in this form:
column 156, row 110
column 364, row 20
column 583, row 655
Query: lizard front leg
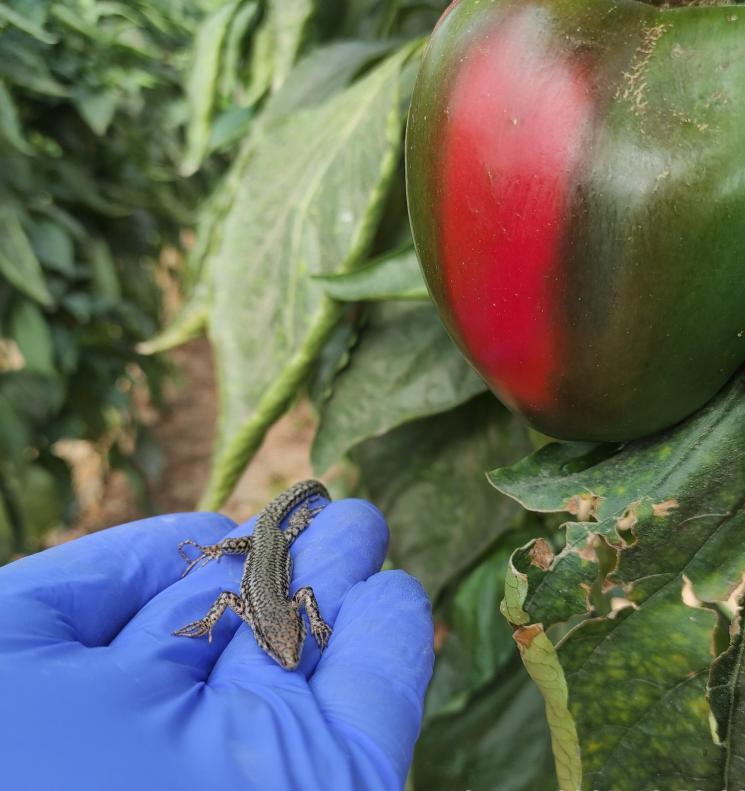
column 306, row 599
column 230, row 546
column 205, row 625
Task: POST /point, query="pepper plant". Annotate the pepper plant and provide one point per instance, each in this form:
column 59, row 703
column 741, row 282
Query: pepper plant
column 306, row 281
column 91, row 108
column 617, row 565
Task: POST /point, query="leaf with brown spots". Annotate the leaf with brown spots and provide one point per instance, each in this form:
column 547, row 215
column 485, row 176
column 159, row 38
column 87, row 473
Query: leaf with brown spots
column 634, row 602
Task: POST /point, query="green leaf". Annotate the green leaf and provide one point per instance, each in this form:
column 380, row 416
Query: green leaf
column 334, row 356
column 190, row 322
column 104, row 277
column 289, row 21
column 499, row 742
column 201, row 83
column 670, row 509
column 27, row 69
column 404, row 368
column 10, row 127
column 321, row 74
column 14, row 429
column 315, row 79
column 477, row 642
column 229, row 127
column 276, row 46
column 428, row 479
column 7, row 538
column 230, row 67
column 315, row 214
column 26, row 24
column 97, row 108
column 390, row 277
column 39, row 502
column 18, row 263
column 53, row 246
column 28, row 328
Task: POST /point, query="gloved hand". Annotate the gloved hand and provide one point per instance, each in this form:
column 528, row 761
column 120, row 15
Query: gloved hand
column 96, row 694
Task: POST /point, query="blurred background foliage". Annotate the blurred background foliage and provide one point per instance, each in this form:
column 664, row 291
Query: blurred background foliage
column 91, row 113
column 260, row 141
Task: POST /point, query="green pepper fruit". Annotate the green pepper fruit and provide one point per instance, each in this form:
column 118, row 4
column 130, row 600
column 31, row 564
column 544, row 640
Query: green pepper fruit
column 576, row 186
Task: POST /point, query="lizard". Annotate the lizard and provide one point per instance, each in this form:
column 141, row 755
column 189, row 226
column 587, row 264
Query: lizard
column 264, row 602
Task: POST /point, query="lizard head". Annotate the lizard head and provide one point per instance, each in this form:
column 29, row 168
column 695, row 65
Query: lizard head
column 284, row 640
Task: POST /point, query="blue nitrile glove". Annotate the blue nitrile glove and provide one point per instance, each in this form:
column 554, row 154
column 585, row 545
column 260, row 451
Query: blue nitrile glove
column 96, row 694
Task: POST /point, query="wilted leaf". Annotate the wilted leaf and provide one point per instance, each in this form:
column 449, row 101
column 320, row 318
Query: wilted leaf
column 428, row 478
column 672, row 509
column 726, row 695
column 308, row 202
column 17, row 260
column 404, row 367
column 390, row 277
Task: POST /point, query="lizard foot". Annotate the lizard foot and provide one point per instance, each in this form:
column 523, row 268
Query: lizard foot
column 314, row 511
column 207, row 553
column 196, row 629
column 321, row 631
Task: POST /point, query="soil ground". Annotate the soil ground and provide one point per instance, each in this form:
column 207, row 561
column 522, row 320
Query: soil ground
column 185, row 434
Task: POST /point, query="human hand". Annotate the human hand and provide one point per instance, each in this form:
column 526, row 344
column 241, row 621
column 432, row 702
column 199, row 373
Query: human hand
column 96, row 693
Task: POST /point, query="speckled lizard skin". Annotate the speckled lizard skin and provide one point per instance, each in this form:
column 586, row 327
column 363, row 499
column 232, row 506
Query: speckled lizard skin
column 264, row 602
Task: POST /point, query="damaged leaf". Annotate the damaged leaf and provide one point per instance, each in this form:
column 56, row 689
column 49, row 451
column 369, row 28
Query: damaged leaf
column 540, row 660
column 726, row 694
column 632, row 603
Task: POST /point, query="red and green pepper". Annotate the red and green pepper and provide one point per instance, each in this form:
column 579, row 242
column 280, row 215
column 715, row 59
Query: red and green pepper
column 576, row 180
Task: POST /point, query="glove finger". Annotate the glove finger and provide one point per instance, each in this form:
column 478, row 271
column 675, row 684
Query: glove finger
column 371, row 681
column 88, row 589
column 344, row 544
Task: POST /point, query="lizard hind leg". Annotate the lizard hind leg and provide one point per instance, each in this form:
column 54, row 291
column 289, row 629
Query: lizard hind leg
column 320, row 630
column 300, row 519
column 205, row 625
